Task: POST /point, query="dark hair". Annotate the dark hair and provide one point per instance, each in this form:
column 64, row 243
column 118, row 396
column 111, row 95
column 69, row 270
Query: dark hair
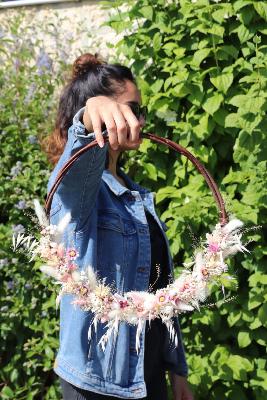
column 91, row 76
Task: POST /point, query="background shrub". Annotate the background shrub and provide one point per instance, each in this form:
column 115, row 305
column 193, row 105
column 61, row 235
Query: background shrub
column 201, row 67
column 34, row 60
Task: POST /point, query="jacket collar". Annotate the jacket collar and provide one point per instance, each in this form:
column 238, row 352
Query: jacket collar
column 117, row 188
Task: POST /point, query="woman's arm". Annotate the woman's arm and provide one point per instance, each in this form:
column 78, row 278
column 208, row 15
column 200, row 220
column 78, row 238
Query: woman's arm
column 79, row 188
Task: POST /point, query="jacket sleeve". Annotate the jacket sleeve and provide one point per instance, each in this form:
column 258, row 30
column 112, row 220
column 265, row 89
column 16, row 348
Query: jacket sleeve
column 78, row 189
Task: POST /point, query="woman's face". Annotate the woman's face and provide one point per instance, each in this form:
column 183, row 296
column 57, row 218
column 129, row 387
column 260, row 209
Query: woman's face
column 131, row 94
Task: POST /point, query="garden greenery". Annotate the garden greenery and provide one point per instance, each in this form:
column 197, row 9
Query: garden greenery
column 201, row 68
column 34, row 60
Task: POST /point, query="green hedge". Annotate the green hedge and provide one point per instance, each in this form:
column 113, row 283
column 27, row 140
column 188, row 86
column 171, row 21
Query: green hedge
column 201, row 67
column 30, row 78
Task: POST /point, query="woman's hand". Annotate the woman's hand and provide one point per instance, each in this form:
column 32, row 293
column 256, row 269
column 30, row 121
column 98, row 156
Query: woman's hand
column 122, row 125
column 180, row 387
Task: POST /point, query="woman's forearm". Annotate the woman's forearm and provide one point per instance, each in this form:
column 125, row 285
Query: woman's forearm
column 87, row 122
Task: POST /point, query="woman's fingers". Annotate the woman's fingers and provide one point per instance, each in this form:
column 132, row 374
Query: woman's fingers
column 112, row 130
column 122, row 125
column 97, row 128
column 133, row 124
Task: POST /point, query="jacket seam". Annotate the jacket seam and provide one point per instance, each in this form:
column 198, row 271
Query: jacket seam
column 84, row 190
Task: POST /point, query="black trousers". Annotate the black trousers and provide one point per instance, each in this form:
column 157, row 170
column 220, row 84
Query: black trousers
column 154, row 372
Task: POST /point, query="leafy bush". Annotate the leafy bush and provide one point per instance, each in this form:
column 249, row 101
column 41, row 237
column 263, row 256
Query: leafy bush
column 30, row 76
column 201, row 67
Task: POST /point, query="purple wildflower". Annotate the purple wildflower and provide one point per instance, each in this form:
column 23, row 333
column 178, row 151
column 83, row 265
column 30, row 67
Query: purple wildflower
column 28, row 286
column 16, row 169
column 44, row 62
column 32, row 139
column 10, row 285
column 16, row 229
column 30, row 93
column 17, row 64
column 21, row 205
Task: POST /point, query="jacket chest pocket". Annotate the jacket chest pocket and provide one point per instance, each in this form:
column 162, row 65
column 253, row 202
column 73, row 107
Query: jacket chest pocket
column 116, row 245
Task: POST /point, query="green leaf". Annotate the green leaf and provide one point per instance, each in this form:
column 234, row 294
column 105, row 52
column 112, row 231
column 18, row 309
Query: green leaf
column 204, row 127
column 240, row 366
column 261, row 8
column 165, row 193
column 234, row 317
column 212, row 104
column 257, row 277
column 157, row 85
column 247, row 103
column 230, row 49
column 147, row 12
column 262, row 314
column 157, row 41
column 151, row 170
column 241, row 4
column 243, row 34
column 232, row 121
column 255, row 324
column 243, row 339
column 199, row 56
column 222, row 81
column 216, row 30
column 7, row 393
column 219, row 15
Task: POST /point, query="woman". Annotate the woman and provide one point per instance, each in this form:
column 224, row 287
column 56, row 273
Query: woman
column 116, row 230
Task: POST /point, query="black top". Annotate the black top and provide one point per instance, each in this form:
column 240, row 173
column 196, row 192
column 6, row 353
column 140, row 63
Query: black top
column 156, row 331
column 159, row 256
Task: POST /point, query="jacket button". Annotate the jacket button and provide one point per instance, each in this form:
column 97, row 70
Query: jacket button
column 141, row 269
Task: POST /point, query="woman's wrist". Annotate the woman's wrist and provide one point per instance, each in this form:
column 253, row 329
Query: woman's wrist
column 86, row 121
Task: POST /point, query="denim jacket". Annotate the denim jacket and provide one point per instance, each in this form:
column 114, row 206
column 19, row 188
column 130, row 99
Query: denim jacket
column 109, row 229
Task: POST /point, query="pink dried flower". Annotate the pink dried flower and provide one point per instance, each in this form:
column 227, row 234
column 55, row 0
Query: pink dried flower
column 174, row 298
column 162, row 297
column 137, row 298
column 66, row 278
column 72, row 267
column 121, row 301
column 72, row 254
column 213, row 247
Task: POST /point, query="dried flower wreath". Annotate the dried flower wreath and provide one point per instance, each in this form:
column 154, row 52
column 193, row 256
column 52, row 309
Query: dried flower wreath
column 90, row 293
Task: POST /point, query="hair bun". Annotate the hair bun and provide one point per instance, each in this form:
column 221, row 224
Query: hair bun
column 84, row 63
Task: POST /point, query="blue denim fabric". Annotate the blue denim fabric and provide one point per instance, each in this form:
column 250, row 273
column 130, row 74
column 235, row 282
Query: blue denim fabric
column 108, row 227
